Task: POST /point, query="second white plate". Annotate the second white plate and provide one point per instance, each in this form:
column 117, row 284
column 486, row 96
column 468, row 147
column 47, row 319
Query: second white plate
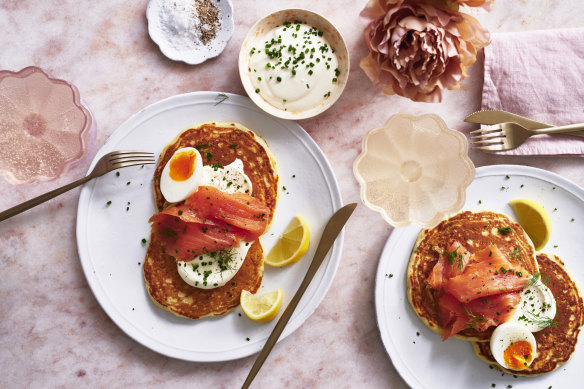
column 419, row 355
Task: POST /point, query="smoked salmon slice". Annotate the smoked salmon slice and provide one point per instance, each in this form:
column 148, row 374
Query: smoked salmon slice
column 186, row 240
column 183, row 212
column 450, row 263
column 480, row 313
column 490, row 273
column 237, row 209
column 209, row 221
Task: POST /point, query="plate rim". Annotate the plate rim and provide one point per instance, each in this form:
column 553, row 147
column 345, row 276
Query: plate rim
column 399, row 232
column 329, row 269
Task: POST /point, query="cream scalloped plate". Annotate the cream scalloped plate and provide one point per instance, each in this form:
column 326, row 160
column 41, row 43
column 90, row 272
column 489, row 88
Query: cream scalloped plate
column 419, row 355
column 414, row 170
column 109, row 236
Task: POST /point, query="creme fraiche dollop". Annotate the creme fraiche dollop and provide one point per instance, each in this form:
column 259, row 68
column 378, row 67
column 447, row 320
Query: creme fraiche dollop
column 293, row 67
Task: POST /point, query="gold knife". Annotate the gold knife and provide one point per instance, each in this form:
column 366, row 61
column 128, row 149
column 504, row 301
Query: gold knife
column 494, row 116
column 329, row 235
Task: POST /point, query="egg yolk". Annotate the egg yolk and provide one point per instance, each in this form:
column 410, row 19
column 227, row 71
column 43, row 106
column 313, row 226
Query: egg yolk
column 182, row 165
column 518, row 355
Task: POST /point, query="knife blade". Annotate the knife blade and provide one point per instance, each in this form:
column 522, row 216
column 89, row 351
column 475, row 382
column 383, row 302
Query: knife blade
column 494, row 116
column 329, row 235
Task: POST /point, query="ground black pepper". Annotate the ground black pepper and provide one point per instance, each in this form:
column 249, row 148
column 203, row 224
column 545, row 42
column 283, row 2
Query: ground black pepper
column 209, row 16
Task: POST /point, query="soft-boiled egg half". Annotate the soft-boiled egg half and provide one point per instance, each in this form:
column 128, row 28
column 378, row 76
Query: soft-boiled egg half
column 513, row 346
column 182, row 174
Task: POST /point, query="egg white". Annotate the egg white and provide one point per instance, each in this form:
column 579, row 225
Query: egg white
column 175, row 191
column 506, row 334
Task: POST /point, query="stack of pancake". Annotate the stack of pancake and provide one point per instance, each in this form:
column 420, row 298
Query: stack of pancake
column 555, row 344
column 218, row 143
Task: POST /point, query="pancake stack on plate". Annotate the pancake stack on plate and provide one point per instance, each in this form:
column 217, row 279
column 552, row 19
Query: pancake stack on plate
column 218, row 143
column 476, row 231
column 555, row 344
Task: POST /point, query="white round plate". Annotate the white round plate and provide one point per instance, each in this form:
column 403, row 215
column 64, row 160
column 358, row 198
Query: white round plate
column 419, row 355
column 109, row 237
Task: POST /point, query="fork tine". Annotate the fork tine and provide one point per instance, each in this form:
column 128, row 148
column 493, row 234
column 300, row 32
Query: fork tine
column 131, row 156
column 496, row 127
column 488, row 142
column 489, row 135
column 498, row 147
column 118, row 165
column 119, row 159
column 146, row 161
column 125, row 154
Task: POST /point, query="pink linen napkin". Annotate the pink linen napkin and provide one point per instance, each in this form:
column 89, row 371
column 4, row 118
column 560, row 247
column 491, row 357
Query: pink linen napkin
column 540, row 75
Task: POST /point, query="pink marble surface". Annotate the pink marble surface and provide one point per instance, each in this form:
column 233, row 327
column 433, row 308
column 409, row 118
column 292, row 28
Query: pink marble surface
column 53, row 333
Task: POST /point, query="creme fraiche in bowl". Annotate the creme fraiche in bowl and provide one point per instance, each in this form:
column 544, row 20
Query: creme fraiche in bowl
column 294, row 64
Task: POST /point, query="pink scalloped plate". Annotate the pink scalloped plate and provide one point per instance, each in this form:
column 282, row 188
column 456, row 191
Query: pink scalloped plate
column 44, row 126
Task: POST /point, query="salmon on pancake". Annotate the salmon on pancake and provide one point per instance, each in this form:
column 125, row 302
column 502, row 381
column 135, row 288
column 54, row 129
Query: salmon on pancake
column 454, row 279
column 484, row 294
column 220, row 144
column 557, row 341
column 215, row 192
column 208, row 221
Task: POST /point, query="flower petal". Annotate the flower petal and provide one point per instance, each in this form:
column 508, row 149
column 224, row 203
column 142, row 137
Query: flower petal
column 418, row 49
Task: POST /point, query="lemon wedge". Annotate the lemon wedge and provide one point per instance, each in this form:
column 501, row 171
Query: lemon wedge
column 534, row 219
column 292, row 245
column 261, row 308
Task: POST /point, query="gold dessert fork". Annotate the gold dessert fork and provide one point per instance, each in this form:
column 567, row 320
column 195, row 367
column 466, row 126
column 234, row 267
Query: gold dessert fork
column 107, row 163
column 507, row 136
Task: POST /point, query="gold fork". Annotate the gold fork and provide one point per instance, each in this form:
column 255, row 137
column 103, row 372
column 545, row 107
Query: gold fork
column 107, row 163
column 507, row 136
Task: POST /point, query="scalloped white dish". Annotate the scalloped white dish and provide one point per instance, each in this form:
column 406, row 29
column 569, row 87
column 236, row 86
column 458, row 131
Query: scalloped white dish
column 414, row 170
column 177, row 28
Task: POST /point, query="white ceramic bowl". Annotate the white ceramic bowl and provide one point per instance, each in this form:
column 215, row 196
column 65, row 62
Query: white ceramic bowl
column 168, row 31
column 264, row 25
column 414, row 170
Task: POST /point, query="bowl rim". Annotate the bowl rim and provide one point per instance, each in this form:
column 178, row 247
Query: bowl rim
column 460, row 190
column 83, row 134
column 261, row 102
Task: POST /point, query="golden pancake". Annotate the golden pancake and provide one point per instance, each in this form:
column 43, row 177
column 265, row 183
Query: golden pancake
column 218, row 143
column 475, row 231
column 170, row 292
column 223, row 143
column 555, row 344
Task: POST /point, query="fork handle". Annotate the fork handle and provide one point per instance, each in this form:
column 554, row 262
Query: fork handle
column 560, row 129
column 42, row 198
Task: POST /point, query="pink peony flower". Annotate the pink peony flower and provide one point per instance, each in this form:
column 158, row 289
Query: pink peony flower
column 486, row 4
column 417, row 49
